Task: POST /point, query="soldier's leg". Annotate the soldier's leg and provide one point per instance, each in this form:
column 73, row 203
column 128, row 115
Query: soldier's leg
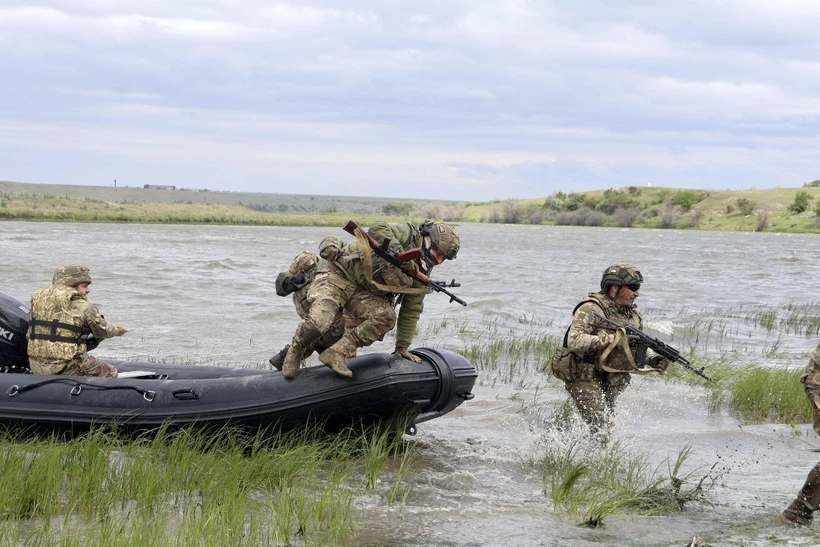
column 801, row 511
column 91, row 366
column 589, row 399
column 370, row 318
column 328, row 294
column 613, row 385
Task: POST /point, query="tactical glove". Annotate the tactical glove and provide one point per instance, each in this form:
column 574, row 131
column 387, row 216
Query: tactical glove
column 404, row 353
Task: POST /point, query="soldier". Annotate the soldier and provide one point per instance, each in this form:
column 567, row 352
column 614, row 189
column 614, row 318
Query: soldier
column 595, row 363
column 61, row 320
column 352, row 281
column 801, row 511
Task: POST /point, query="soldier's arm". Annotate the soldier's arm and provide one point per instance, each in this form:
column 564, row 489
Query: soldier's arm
column 583, row 337
column 409, row 312
column 92, row 319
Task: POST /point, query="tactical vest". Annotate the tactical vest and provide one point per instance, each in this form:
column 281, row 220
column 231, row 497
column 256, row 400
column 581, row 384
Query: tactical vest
column 52, row 334
column 611, row 310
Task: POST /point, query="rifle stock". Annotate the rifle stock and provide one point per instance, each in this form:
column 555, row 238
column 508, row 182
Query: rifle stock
column 384, row 252
column 661, row 348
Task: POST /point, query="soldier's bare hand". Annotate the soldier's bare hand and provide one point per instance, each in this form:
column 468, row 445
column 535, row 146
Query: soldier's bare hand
column 120, row 330
column 410, row 268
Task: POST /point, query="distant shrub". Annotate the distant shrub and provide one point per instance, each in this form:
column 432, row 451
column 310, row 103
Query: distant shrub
column 669, row 217
column 398, row 209
column 762, row 221
column 746, row 206
column 801, row 202
column 686, row 199
column 627, row 217
column 812, row 184
column 573, row 201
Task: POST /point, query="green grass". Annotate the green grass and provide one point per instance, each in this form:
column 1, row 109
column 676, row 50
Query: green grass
column 589, row 483
column 192, row 487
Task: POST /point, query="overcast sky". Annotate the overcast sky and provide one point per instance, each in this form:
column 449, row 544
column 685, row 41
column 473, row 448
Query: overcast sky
column 453, row 99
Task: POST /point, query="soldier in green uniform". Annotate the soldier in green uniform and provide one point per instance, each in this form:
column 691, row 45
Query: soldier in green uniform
column 61, row 320
column 594, row 362
column 801, row 511
column 351, row 282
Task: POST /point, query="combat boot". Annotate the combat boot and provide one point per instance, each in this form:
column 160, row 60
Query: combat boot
column 336, row 356
column 278, row 360
column 800, row 511
column 293, row 361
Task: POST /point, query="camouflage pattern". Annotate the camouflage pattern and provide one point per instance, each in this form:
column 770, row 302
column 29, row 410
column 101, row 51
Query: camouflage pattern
column 71, row 275
column 811, row 381
column 801, row 511
column 594, row 390
column 306, row 263
column 342, row 286
column 66, row 305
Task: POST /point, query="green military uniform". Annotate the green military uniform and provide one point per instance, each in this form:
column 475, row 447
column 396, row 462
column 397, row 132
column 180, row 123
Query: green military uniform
column 61, row 319
column 801, row 511
column 352, row 281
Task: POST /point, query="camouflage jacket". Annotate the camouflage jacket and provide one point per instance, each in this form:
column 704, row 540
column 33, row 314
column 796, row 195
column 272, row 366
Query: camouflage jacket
column 811, row 374
column 61, row 318
column 586, row 339
column 403, row 236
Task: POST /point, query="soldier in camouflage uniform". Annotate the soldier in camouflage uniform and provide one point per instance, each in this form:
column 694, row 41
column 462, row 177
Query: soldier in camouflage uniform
column 598, row 362
column 60, row 322
column 352, row 280
column 801, row 511
column 297, row 281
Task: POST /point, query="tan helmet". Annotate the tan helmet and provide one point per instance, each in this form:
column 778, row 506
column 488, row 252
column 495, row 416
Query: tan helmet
column 72, row 275
column 621, row 274
column 442, row 236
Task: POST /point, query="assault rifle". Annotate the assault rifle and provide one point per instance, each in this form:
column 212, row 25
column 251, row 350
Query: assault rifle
column 647, row 342
column 384, row 252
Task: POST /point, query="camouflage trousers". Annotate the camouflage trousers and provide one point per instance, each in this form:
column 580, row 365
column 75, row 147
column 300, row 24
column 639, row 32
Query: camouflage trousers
column 811, row 381
column 595, row 397
column 81, row 366
column 366, row 316
column 334, row 333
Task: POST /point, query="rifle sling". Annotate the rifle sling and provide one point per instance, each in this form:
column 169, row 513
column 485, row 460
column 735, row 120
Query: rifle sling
column 623, row 340
column 367, row 259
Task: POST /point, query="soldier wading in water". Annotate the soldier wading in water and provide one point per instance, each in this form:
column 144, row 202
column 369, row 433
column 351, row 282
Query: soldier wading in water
column 61, row 320
column 801, row 511
column 594, row 362
column 356, row 290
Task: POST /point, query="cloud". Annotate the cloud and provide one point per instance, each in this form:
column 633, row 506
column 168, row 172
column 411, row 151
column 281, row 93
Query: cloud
column 471, row 99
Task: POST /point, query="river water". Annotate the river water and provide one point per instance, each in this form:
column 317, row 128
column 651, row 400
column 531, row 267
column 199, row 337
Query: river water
column 205, row 295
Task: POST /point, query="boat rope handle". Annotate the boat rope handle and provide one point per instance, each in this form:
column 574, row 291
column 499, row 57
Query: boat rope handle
column 77, row 388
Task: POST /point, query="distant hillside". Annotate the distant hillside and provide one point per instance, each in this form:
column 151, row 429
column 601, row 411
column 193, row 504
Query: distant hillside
column 772, row 210
column 775, row 210
column 265, row 202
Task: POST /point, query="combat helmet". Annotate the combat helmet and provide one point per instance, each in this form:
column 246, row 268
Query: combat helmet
column 621, row 274
column 443, row 238
column 72, row 275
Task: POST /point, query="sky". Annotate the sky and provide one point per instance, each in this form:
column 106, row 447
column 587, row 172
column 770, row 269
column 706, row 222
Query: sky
column 472, row 100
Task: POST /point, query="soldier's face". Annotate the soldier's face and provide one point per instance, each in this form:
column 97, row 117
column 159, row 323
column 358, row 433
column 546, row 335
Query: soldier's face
column 83, row 289
column 625, row 296
column 437, row 256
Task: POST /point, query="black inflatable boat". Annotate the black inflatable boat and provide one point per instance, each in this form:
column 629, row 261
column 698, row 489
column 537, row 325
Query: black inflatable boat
column 150, row 395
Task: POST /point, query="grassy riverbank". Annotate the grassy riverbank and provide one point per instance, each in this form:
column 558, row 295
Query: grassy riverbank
column 793, row 210
column 193, row 489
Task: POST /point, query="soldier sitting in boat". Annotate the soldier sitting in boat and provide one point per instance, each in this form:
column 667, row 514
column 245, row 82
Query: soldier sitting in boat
column 61, row 321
